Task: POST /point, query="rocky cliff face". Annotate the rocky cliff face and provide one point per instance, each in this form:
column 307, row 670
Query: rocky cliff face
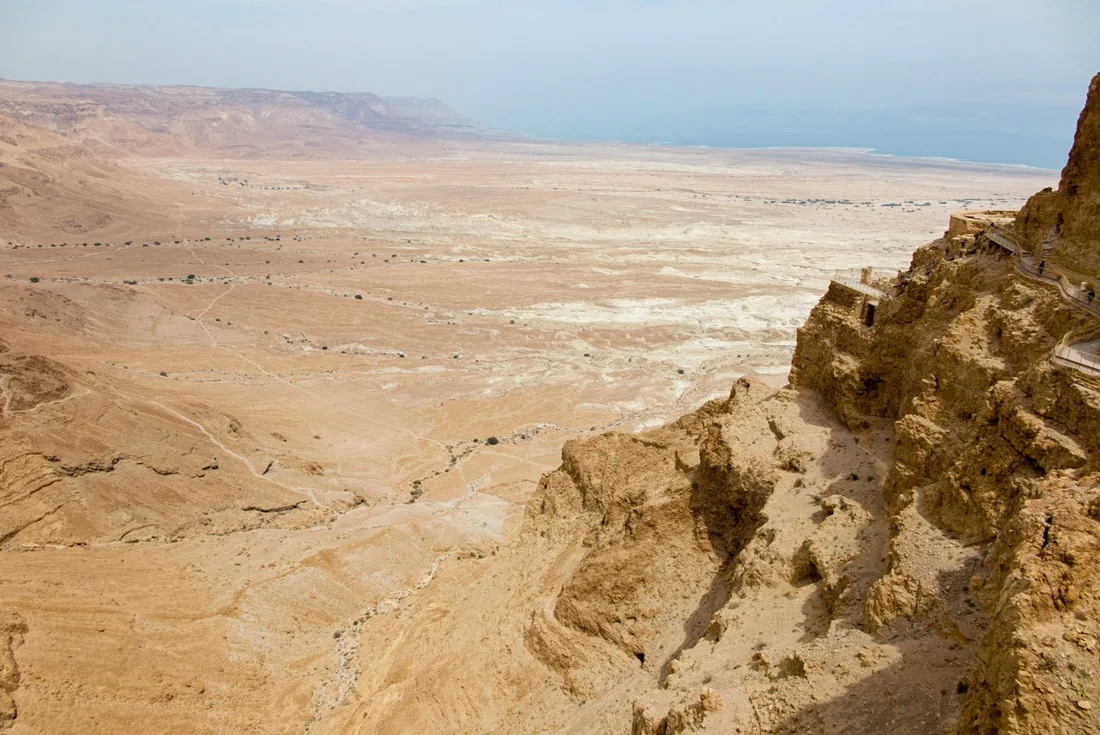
column 1069, row 219
column 996, row 445
column 906, row 538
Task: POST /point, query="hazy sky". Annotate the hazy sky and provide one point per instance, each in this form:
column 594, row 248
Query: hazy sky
column 999, row 80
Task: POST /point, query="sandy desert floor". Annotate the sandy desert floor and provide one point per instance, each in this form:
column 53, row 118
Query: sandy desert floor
column 398, row 348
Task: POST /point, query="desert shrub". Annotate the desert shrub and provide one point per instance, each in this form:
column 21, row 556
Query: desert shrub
column 492, row 441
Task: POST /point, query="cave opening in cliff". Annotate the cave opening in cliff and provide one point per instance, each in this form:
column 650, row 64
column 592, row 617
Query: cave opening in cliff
column 869, row 315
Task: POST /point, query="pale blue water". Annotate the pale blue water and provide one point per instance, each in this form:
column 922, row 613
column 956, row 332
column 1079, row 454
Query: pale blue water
column 1039, row 137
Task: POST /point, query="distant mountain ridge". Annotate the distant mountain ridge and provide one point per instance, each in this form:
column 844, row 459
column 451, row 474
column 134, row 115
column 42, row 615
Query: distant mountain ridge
column 245, row 122
column 64, row 148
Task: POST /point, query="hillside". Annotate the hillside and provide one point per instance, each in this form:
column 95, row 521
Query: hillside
column 73, row 188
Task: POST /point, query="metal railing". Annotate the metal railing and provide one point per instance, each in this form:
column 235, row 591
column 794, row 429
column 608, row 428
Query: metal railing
column 848, row 274
column 1078, row 358
column 853, row 279
column 1027, row 266
column 1004, row 238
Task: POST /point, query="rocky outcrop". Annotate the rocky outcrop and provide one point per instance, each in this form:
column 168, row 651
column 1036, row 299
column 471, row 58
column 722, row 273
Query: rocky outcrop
column 12, row 629
column 29, row 380
column 665, row 512
column 727, row 563
column 84, row 462
column 1068, row 219
column 1035, row 671
column 998, row 446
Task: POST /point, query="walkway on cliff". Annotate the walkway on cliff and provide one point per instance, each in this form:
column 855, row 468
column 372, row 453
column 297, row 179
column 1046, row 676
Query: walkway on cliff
column 1084, row 355
column 1081, row 355
column 856, row 279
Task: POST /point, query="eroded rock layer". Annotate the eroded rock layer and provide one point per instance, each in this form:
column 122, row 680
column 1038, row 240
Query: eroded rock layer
column 1066, row 221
